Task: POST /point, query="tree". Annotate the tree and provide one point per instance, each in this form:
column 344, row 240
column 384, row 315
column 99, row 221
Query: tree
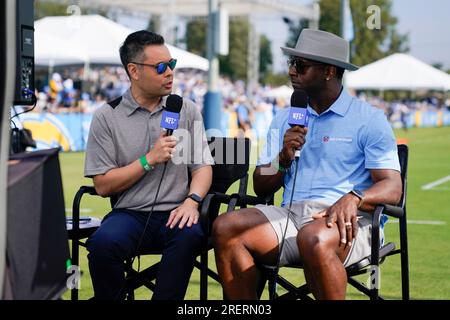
column 154, row 23
column 196, row 37
column 234, row 64
column 294, row 30
column 440, row 66
column 371, row 45
column 265, row 56
column 276, row 80
column 368, row 45
column 330, row 16
column 398, row 43
column 45, row 9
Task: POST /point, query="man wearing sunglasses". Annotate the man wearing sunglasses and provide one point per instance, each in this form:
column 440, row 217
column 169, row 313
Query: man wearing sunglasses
column 127, row 155
column 348, row 163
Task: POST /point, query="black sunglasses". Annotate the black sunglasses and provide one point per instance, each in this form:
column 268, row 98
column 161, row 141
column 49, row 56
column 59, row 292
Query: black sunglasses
column 301, row 66
column 160, row 67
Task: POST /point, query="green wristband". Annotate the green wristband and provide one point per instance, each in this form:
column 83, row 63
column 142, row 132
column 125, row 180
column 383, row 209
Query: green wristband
column 143, row 160
column 280, row 167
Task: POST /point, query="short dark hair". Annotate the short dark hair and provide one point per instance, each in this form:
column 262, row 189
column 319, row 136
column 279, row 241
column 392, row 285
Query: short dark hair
column 133, row 47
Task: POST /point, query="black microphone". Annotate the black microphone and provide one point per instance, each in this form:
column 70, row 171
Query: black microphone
column 171, row 113
column 298, row 114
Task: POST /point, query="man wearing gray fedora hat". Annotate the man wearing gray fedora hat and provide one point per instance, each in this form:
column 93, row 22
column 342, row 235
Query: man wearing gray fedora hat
column 348, row 163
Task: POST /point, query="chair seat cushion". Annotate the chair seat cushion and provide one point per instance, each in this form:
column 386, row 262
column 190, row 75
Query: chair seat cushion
column 365, row 262
column 361, row 264
column 88, row 225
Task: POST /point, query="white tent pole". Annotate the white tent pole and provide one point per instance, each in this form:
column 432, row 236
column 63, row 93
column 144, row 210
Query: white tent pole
column 51, row 64
column 212, row 100
column 213, row 72
column 86, row 69
column 86, row 72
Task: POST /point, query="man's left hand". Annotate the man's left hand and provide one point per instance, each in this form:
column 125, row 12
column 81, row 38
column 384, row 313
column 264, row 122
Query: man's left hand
column 186, row 214
column 344, row 214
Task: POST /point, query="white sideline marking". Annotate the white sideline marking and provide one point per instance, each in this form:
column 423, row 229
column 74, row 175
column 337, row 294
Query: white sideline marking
column 82, row 210
column 435, row 183
column 429, row 222
column 442, row 189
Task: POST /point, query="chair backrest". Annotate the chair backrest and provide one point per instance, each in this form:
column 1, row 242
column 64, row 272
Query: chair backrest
column 232, row 161
column 403, row 158
column 231, row 164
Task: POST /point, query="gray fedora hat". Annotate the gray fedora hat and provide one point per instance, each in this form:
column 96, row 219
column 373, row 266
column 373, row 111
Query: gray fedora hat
column 322, row 46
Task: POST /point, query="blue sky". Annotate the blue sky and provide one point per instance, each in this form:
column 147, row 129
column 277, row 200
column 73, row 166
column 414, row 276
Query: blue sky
column 428, row 24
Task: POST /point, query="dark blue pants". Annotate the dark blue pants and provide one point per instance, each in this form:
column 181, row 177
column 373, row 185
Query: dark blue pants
column 117, row 239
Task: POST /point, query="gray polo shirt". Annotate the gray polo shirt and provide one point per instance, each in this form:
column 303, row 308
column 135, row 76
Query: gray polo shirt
column 120, row 135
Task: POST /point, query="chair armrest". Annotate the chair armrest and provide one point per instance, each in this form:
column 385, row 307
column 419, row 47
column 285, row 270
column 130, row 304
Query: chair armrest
column 391, row 210
column 76, row 205
column 251, row 200
column 380, row 209
column 88, row 189
column 206, row 218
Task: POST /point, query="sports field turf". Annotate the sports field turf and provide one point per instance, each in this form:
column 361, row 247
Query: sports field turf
column 428, row 230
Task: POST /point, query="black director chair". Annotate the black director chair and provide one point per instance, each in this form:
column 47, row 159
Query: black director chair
column 369, row 264
column 232, row 158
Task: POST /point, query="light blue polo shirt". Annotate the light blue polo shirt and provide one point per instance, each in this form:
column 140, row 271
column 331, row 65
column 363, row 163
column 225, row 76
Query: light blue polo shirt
column 342, row 144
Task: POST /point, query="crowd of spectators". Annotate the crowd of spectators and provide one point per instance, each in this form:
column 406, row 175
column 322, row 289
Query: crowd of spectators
column 73, row 91
column 243, row 113
column 399, row 110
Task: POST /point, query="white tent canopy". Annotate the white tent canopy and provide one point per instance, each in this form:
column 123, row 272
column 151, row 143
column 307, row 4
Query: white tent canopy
column 283, row 92
column 398, row 72
column 53, row 51
column 92, row 39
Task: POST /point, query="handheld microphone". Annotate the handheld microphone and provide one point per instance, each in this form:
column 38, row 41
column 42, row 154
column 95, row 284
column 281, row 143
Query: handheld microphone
column 298, row 114
column 171, row 113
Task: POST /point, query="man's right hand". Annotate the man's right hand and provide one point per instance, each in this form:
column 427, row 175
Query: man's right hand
column 293, row 140
column 163, row 150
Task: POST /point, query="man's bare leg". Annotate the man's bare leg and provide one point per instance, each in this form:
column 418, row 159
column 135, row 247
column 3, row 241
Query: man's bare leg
column 322, row 254
column 240, row 238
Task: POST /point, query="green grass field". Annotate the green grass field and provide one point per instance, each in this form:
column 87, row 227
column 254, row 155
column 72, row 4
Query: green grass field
column 428, row 230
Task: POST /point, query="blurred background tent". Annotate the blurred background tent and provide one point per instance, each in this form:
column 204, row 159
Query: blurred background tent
column 283, row 92
column 398, row 72
column 91, row 39
column 54, row 51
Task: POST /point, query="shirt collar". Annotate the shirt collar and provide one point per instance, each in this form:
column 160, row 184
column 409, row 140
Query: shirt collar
column 340, row 106
column 131, row 105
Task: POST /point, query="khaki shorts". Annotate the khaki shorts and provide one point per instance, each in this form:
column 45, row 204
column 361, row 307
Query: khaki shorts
column 301, row 216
